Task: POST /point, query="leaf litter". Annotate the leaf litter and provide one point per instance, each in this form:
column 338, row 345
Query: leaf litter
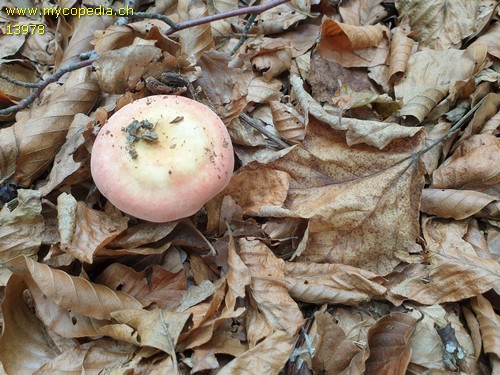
column 359, row 233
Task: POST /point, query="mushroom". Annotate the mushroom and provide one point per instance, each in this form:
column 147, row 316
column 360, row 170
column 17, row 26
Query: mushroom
column 161, row 158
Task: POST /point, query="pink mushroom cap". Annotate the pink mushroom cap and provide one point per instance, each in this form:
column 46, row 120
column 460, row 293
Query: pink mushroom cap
column 170, row 177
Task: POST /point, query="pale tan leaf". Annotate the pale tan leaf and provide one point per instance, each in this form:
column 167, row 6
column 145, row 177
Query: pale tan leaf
column 332, row 283
column 490, row 39
column 260, row 91
column 158, row 328
column 198, row 39
column 119, row 70
column 142, row 234
column 196, row 294
column 72, row 292
column 388, row 340
column 353, row 46
column 456, row 204
column 21, row 225
column 378, row 134
column 154, row 284
column 281, row 17
column 451, row 276
column 489, row 323
column 363, row 12
column 85, row 231
column 43, row 131
column 24, row 344
column 473, row 166
column 441, row 24
column 401, row 48
column 221, row 83
column 273, row 58
column 334, row 352
column 238, row 277
column 268, row 357
column 268, row 287
column 287, row 121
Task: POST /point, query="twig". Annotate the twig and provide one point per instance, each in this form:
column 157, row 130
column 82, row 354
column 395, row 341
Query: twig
column 256, row 9
column 254, row 124
column 244, row 34
column 19, row 83
column 43, row 84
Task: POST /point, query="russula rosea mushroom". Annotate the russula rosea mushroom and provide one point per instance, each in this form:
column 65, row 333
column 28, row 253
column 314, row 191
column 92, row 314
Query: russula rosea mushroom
column 161, row 158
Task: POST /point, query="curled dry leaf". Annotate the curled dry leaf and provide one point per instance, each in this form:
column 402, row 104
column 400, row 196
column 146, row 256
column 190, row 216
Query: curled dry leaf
column 353, row 46
column 490, row 39
column 489, row 323
column 274, row 57
column 332, row 283
column 473, row 166
column 374, row 133
column 334, row 351
column 268, row 357
column 72, row 292
column 440, row 24
column 85, row 231
column 456, row 204
column 24, row 344
column 363, row 12
column 152, row 285
column 41, row 133
column 21, row 226
column 388, row 340
column 268, row 287
column 287, row 121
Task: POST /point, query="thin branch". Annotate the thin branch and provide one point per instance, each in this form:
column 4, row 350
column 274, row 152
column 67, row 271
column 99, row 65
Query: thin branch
column 256, row 9
column 43, row 84
column 244, row 35
column 19, row 83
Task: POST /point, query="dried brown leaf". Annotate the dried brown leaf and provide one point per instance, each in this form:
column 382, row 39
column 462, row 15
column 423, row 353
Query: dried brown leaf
column 287, row 121
column 440, row 24
column 334, row 351
column 24, row 344
column 154, row 284
column 268, row 357
column 198, row 39
column 388, row 340
column 84, row 231
column 353, row 46
column 72, row 292
column 473, row 166
column 490, row 39
column 41, row 133
column 378, row 134
column 268, row 287
column 456, row 204
column 21, row 226
column 363, row 12
column 273, row 58
column 332, row 283
column 221, row 83
column 489, row 323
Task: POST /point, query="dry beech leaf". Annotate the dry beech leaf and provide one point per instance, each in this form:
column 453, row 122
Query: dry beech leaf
column 154, row 284
column 401, row 48
column 42, row 132
column 473, row 166
column 364, row 12
column 122, row 69
column 260, row 91
column 198, row 39
column 334, row 351
column 71, row 292
column 429, row 77
column 490, row 39
column 85, row 231
column 158, row 328
column 221, row 83
column 273, row 58
column 64, row 322
column 24, row 344
column 238, row 277
column 287, row 121
column 456, row 204
column 388, row 340
column 441, row 24
column 378, row 134
column 332, row 283
column 489, row 323
column 281, row 18
column 268, row 357
column 71, row 158
column 479, row 123
column 352, row 196
column 450, row 276
column 353, row 46
column 268, row 287
column 21, row 225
